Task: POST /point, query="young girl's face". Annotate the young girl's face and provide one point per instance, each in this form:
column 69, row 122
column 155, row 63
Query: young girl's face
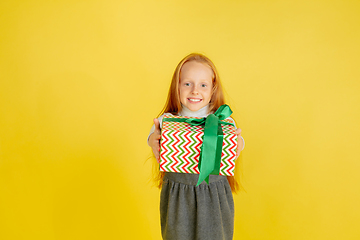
column 195, row 85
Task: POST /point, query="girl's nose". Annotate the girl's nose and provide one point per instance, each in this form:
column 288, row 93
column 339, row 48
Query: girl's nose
column 194, row 90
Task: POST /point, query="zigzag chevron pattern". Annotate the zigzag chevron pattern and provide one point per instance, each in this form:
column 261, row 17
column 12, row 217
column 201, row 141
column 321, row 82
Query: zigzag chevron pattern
column 180, row 147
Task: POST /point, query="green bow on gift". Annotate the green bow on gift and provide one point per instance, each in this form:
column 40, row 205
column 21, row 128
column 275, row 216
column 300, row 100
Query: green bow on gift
column 211, row 149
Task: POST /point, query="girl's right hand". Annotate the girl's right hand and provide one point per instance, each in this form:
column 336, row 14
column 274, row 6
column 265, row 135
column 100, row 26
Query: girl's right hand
column 154, row 140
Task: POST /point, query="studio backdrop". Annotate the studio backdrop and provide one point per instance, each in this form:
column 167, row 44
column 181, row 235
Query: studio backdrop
column 81, row 81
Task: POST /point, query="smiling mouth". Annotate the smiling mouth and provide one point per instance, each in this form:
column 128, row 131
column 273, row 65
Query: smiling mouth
column 194, row 100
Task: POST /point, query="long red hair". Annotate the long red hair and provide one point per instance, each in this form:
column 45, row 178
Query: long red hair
column 173, row 105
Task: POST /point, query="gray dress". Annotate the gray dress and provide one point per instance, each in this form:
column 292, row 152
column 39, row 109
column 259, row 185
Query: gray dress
column 187, row 212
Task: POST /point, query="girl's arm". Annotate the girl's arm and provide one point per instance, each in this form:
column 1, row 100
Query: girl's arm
column 240, row 143
column 154, row 137
column 240, row 140
column 153, row 126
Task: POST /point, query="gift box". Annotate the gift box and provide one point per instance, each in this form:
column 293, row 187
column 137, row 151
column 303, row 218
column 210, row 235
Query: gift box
column 181, row 145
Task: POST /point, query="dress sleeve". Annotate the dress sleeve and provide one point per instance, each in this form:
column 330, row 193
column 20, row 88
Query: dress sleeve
column 240, row 135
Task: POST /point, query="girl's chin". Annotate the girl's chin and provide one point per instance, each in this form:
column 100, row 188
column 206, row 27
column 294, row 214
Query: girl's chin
column 195, row 108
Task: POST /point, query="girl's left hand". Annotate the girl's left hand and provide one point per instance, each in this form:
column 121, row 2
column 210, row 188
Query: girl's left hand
column 240, row 143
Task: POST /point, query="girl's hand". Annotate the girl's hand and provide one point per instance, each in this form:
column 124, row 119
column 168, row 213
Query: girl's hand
column 154, row 140
column 240, row 143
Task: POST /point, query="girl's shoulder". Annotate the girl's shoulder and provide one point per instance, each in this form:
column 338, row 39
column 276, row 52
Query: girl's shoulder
column 169, row 114
column 162, row 115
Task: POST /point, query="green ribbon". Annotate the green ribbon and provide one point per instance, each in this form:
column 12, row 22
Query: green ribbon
column 211, row 149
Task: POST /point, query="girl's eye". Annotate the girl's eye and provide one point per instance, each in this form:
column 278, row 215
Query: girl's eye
column 187, row 84
column 203, row 85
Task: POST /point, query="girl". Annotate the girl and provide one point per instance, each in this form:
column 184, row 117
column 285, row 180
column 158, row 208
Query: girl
column 188, row 212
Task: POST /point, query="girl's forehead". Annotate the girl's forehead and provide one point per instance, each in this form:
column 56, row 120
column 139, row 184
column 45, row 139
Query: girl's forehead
column 194, row 63
column 196, row 69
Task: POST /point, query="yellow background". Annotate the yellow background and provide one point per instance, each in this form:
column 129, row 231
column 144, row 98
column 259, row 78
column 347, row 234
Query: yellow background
column 81, row 81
